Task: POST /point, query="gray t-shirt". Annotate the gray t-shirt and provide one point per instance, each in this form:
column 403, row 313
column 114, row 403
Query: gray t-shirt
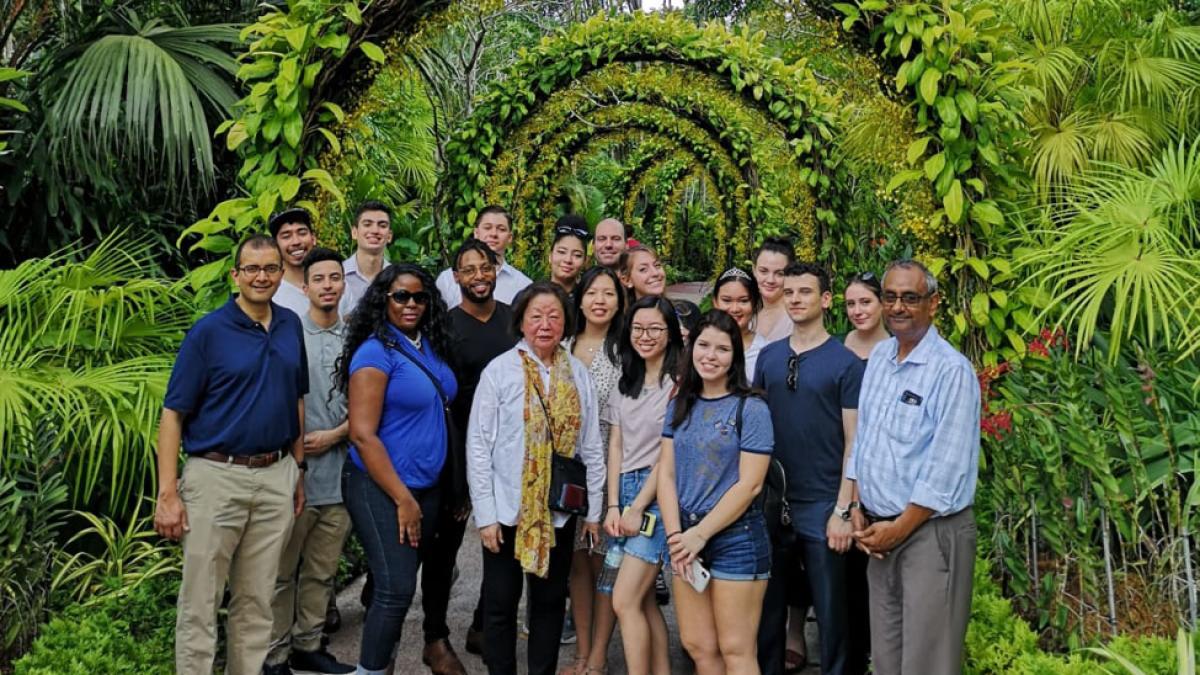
column 641, row 422
column 323, row 480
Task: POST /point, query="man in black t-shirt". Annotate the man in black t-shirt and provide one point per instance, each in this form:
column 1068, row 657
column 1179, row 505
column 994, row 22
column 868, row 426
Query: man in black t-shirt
column 480, row 327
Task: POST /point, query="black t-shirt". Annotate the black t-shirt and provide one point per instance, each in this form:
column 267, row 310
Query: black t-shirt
column 475, row 345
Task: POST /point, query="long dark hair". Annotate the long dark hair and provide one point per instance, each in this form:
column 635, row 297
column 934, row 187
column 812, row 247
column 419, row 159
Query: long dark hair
column 370, row 318
column 691, row 385
column 738, row 275
column 612, row 339
column 633, row 366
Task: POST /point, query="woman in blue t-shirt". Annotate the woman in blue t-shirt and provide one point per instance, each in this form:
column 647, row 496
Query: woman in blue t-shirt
column 398, row 384
column 716, row 448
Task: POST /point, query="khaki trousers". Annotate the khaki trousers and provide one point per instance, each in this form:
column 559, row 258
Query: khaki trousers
column 305, row 579
column 239, row 519
column 921, row 599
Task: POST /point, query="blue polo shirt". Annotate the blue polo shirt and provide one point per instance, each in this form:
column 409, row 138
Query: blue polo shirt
column 412, row 424
column 237, row 385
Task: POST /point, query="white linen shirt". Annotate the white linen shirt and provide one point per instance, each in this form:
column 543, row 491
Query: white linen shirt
column 509, row 282
column 292, row 297
column 496, row 439
column 356, row 285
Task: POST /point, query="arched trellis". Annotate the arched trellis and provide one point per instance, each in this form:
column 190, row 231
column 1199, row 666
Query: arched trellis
column 758, row 145
column 707, row 151
column 787, row 95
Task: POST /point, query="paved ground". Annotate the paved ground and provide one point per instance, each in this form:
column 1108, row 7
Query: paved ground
column 462, row 604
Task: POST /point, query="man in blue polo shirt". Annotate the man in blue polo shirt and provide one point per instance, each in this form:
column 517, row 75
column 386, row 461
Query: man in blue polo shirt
column 235, row 400
column 812, row 384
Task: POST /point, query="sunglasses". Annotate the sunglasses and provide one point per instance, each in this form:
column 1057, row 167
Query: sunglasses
column 573, row 231
column 793, row 366
column 402, row 297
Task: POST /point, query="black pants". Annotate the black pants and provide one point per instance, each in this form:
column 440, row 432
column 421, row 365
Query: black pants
column 439, row 555
column 503, row 578
column 787, row 585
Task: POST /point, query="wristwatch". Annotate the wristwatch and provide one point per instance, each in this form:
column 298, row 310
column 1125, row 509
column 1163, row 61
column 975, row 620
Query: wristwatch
column 302, row 465
column 844, row 513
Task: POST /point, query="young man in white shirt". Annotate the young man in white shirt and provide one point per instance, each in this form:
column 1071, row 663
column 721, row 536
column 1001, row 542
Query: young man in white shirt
column 493, row 226
column 292, row 230
column 372, row 232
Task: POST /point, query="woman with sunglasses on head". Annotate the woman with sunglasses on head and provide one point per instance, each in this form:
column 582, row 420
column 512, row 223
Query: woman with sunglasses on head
column 641, row 272
column 737, row 295
column 716, row 448
column 864, row 307
column 535, row 415
column 651, row 349
column 568, row 251
column 772, row 256
column 398, row 384
column 598, row 310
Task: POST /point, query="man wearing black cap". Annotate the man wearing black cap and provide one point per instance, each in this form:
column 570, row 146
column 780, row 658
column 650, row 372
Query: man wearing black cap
column 292, row 230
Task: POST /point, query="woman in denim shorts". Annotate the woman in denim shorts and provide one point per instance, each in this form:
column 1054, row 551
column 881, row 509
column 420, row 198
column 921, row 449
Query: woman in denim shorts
column 651, row 348
column 716, row 448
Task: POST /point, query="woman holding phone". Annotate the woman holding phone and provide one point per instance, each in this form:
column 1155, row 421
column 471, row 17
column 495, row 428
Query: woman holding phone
column 716, row 448
column 651, row 347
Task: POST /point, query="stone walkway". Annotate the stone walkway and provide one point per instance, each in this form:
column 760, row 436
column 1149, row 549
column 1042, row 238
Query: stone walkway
column 345, row 642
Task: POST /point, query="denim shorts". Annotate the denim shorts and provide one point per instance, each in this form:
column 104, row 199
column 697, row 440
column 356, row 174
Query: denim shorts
column 652, row 549
column 740, row 552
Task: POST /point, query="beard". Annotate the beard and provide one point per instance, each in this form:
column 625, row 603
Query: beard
column 470, row 296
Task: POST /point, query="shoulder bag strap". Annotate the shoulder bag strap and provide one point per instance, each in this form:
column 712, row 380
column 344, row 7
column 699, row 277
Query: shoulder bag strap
column 392, row 344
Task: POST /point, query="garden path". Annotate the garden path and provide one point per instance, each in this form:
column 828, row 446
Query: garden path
column 345, row 642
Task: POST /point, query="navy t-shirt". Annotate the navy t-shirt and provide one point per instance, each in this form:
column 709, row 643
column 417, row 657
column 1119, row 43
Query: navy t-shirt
column 238, row 386
column 412, row 424
column 708, row 449
column 809, row 439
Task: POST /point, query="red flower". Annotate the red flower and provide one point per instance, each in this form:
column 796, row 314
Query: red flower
column 1039, row 348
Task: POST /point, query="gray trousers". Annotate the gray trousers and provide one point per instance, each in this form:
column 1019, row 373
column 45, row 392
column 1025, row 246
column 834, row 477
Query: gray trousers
column 921, row 599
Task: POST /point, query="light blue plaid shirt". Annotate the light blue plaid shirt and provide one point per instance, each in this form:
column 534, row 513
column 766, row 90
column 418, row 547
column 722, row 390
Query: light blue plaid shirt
column 918, row 429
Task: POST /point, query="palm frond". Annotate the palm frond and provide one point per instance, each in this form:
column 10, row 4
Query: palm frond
column 1061, row 151
column 1117, row 138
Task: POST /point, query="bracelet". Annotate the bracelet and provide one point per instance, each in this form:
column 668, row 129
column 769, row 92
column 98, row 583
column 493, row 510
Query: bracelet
column 613, row 506
column 672, row 534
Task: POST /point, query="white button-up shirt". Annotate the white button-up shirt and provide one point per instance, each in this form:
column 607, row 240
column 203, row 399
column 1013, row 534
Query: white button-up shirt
column 509, row 282
column 356, row 285
column 496, row 439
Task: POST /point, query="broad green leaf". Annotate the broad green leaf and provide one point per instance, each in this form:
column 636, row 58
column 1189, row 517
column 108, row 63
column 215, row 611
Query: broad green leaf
column 986, row 212
column 934, row 165
column 373, row 52
column 296, row 36
column 960, row 322
column 953, row 202
column 929, row 85
column 237, row 135
column 288, row 188
column 979, row 309
column 901, row 178
column 353, row 13
column 979, row 267
column 293, row 130
column 967, row 105
column 917, row 148
column 999, row 297
column 1015, row 340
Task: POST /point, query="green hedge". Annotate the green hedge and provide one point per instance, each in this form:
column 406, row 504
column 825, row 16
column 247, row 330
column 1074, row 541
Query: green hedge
column 131, row 632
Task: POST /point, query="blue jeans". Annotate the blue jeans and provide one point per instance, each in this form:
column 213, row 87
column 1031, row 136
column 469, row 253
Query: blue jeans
column 740, row 552
column 393, row 565
column 652, row 549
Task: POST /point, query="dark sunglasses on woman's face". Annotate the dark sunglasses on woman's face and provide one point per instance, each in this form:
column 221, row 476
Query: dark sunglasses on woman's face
column 402, row 297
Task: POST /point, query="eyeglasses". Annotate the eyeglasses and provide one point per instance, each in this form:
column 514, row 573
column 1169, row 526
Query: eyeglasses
column 907, row 299
column 573, row 231
column 652, row 332
column 402, row 297
column 253, row 270
column 484, row 269
column 793, row 366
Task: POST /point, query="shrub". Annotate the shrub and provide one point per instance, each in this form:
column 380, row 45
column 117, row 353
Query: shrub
column 131, row 632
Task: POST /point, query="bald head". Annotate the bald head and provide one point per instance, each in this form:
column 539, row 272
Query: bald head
column 609, row 242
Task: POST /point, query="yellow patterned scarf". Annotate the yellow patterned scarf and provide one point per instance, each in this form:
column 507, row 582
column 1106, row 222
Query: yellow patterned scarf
column 535, row 525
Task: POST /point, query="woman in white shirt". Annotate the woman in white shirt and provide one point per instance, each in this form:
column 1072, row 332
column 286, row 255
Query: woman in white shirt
column 737, row 295
column 533, row 401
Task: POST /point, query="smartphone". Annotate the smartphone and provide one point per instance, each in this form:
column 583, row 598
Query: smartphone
column 591, row 541
column 700, row 576
column 648, row 521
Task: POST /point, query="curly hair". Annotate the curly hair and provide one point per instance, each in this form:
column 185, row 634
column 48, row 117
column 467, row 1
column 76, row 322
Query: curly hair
column 370, row 319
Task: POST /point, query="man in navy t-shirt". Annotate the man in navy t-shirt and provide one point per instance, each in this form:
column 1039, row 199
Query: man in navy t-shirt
column 812, row 385
column 235, row 401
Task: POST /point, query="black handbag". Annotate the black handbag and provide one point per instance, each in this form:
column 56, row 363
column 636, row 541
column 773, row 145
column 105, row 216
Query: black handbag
column 455, row 461
column 773, row 499
column 568, row 476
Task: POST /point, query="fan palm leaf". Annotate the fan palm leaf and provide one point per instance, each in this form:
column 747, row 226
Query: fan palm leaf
column 1061, row 150
column 142, row 95
column 1118, row 138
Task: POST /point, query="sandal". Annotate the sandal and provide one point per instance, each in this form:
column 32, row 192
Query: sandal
column 577, row 667
column 794, row 661
column 602, row 670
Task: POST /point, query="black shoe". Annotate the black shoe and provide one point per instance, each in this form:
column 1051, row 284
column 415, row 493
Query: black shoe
column 368, row 590
column 333, row 618
column 319, row 662
column 661, row 595
column 474, row 641
column 277, row 669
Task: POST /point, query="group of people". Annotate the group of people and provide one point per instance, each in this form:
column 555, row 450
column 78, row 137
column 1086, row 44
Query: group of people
column 596, row 432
